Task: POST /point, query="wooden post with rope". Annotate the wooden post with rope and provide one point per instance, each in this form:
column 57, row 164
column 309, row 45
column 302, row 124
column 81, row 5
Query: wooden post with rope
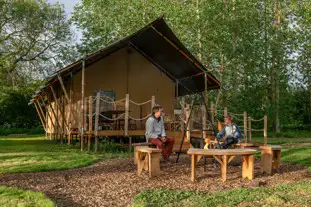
column 96, row 120
column 90, row 123
column 250, row 129
column 82, row 104
column 188, row 120
column 225, row 112
column 265, row 130
column 203, row 111
column 126, row 117
column 182, row 124
column 245, row 126
column 212, row 112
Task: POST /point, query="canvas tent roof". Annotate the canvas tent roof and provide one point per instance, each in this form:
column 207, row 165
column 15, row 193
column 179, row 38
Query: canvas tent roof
column 159, row 45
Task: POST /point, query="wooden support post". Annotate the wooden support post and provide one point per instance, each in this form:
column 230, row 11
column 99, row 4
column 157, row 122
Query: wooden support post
column 62, row 109
column 212, row 112
column 63, row 87
column 205, row 88
column 183, row 111
column 265, row 130
column 90, row 123
column 152, row 102
column 58, row 106
column 48, row 115
column 96, row 119
column 225, row 112
column 250, row 129
column 53, row 112
column 245, row 127
column 41, row 111
column 187, row 118
column 126, row 118
column 203, row 110
column 82, row 104
column 40, row 116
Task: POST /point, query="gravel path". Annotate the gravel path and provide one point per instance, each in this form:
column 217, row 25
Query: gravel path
column 115, row 182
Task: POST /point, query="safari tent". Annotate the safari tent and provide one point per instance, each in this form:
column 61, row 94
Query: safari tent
column 111, row 92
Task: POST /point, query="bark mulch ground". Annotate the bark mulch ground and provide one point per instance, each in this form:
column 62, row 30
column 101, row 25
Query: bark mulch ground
column 115, row 182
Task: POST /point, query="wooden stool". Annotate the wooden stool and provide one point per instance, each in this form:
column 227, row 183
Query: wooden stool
column 270, row 158
column 149, row 160
column 135, row 145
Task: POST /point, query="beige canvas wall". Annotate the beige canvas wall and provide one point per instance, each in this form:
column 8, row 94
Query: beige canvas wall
column 125, row 71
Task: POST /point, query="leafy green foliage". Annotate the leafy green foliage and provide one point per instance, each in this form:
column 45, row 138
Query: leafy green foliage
column 259, row 50
column 16, row 197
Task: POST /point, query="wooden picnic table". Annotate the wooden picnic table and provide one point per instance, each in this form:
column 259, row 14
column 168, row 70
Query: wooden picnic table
column 224, row 157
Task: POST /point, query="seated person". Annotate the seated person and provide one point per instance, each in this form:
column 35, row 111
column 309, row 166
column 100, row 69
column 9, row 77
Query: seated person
column 231, row 133
column 155, row 132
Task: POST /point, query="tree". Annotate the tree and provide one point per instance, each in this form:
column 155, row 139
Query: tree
column 249, row 45
column 33, row 36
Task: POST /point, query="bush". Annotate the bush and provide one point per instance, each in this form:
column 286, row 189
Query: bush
column 9, row 131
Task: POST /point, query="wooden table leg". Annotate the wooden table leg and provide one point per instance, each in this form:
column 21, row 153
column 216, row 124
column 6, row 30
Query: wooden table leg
column 266, row 161
column 140, row 163
column 146, row 163
column 276, row 159
column 154, row 164
column 135, row 155
column 248, row 167
column 224, row 168
column 193, row 167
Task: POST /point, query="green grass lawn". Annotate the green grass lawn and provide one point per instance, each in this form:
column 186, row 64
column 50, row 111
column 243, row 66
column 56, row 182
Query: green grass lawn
column 35, row 153
column 279, row 140
column 283, row 195
column 298, row 155
column 11, row 197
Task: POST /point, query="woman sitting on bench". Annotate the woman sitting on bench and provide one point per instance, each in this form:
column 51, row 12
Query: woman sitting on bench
column 155, row 132
column 231, row 133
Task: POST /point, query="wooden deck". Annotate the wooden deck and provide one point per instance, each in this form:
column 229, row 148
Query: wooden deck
column 176, row 134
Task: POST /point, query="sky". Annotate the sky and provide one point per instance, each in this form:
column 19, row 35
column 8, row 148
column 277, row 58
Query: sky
column 69, row 4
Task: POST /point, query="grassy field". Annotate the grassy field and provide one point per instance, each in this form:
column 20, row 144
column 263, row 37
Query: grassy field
column 35, row 153
column 11, row 197
column 280, row 196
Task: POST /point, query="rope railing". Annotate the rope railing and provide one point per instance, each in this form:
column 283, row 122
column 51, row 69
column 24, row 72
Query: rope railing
column 139, row 104
column 140, row 119
column 258, row 119
column 112, row 119
column 257, row 130
column 235, row 114
column 112, row 102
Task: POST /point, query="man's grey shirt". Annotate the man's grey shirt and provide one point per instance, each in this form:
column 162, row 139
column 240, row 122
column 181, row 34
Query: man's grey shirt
column 155, row 128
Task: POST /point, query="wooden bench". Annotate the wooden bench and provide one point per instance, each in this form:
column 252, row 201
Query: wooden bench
column 224, row 157
column 270, row 158
column 149, row 160
column 135, row 145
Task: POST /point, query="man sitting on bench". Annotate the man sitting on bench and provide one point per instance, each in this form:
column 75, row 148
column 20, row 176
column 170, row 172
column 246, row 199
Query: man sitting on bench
column 155, row 132
column 231, row 133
